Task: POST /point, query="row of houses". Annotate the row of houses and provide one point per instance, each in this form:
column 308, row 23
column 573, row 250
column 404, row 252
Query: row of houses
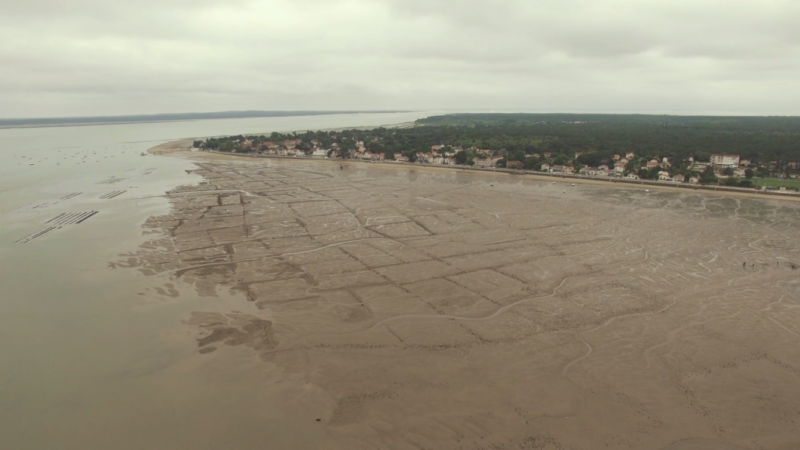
column 369, row 156
column 665, row 176
column 445, row 155
column 282, row 151
column 558, row 168
column 434, row 158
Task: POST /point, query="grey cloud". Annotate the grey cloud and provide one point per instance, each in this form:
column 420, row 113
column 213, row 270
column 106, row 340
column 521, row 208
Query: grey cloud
column 102, row 57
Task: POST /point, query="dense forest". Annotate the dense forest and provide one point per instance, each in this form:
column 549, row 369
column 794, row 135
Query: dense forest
column 760, row 139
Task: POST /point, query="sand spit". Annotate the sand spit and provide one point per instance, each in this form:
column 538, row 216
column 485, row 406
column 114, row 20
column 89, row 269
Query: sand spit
column 450, row 310
column 182, row 145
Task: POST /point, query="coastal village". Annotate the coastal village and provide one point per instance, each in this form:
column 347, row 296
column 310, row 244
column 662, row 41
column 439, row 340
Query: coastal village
column 721, row 169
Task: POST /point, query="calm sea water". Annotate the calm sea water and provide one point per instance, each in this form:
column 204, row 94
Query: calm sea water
column 89, row 360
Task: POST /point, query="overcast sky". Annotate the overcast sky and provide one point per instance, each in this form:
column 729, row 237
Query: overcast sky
column 107, row 57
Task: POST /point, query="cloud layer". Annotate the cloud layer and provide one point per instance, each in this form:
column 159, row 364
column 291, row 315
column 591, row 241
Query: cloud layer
column 90, row 57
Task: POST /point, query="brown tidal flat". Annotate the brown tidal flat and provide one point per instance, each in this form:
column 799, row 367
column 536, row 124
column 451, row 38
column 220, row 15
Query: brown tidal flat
column 454, row 311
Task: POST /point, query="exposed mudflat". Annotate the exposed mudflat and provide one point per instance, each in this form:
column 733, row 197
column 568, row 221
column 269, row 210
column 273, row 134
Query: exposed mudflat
column 455, row 311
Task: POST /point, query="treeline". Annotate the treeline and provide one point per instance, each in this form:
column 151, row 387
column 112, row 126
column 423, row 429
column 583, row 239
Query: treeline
column 759, row 139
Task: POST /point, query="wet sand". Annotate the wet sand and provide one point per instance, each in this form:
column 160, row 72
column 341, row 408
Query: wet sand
column 401, row 307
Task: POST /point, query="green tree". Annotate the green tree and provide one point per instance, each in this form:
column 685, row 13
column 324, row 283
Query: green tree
column 702, row 157
column 708, row 176
column 515, row 156
column 592, row 159
column 632, row 165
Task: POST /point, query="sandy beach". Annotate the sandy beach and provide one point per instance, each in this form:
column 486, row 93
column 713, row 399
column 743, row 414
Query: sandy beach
column 414, row 307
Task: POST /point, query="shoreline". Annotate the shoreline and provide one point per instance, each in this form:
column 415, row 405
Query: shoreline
column 185, row 146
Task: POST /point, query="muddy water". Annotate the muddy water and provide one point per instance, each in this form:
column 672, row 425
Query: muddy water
column 92, row 357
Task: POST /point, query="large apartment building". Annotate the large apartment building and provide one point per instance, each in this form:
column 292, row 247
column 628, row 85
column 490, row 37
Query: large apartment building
column 725, row 160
